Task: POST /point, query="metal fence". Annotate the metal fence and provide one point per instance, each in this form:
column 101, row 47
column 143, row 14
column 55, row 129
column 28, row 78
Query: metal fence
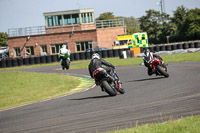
column 37, row 30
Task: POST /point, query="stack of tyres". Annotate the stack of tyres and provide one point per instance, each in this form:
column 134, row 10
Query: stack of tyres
column 115, row 53
column 197, row 44
column 54, row 58
column 156, row 48
column 48, row 59
column 37, row 60
column 72, row 57
column 82, row 56
column 31, row 61
column 162, row 48
column 14, row 63
column 76, row 56
column 87, row 55
column 179, row 46
column 168, row 47
column 2, row 64
column 26, row 61
column 185, row 46
column 42, row 59
column 104, row 54
column 174, row 47
column 19, row 61
column 191, row 45
column 110, row 53
column 151, row 49
column 8, row 63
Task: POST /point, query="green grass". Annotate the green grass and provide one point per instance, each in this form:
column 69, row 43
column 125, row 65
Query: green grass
column 184, row 125
column 19, row 88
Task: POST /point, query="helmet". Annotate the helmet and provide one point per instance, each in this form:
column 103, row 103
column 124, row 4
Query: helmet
column 63, row 46
column 146, row 52
column 95, row 55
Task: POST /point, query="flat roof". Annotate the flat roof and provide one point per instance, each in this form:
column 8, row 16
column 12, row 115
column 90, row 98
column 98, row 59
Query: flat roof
column 68, row 12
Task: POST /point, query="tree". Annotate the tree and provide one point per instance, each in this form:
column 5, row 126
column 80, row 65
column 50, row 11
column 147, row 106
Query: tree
column 106, row 16
column 3, row 39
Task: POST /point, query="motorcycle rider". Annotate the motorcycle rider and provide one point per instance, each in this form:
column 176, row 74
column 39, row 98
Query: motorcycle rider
column 64, row 53
column 147, row 58
column 97, row 62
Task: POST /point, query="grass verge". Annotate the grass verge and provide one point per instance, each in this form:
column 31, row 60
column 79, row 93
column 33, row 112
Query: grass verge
column 19, row 88
column 184, row 125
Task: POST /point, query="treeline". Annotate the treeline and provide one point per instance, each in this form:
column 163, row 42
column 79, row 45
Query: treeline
column 184, row 25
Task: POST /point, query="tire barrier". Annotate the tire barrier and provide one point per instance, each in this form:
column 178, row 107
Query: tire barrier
column 82, row 56
column 76, row 56
column 31, row 61
column 9, row 63
column 191, row 45
column 14, row 62
column 54, row 58
column 42, row 59
column 156, row 48
column 48, row 58
column 87, row 55
column 197, row 44
column 26, row 61
column 37, row 60
column 185, row 46
column 2, row 64
column 174, row 47
column 104, row 54
column 71, row 57
column 142, row 49
column 151, row 49
column 168, row 47
column 179, row 46
column 110, row 53
column 100, row 53
column 19, row 61
column 162, row 48
column 115, row 53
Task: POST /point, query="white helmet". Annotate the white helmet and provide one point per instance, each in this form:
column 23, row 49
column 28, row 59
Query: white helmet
column 64, row 46
column 95, row 55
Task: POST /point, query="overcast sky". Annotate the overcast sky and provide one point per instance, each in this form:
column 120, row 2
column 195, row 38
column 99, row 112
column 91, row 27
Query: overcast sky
column 28, row 13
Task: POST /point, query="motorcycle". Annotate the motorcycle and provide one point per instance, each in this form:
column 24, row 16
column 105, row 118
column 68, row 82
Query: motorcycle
column 159, row 67
column 65, row 61
column 109, row 83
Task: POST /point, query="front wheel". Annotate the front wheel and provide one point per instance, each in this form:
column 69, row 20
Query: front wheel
column 67, row 64
column 108, row 88
column 161, row 70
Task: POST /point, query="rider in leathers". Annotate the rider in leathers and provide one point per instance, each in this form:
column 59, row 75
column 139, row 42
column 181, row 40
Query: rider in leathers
column 147, row 58
column 97, row 62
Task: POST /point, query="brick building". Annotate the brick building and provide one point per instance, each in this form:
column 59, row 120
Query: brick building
column 76, row 28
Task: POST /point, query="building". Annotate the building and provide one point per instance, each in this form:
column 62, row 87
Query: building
column 75, row 28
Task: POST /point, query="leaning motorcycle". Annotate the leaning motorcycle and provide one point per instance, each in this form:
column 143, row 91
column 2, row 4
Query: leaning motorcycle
column 109, row 83
column 159, row 67
column 65, row 61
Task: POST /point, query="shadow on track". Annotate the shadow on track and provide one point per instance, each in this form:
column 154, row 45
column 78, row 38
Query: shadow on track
column 95, row 97
column 146, row 79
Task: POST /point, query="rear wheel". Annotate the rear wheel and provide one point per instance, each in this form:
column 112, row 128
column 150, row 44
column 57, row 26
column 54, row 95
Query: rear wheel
column 161, row 70
column 108, row 88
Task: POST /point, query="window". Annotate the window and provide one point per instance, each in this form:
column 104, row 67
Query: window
column 83, row 16
column 75, row 19
column 58, row 20
column 43, row 49
column 30, row 50
column 17, row 51
column 56, row 47
column 50, row 21
column 83, row 46
column 67, row 20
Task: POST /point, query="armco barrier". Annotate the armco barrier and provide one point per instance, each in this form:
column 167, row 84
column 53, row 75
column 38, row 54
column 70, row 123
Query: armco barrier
column 19, row 61
column 2, row 64
column 42, row 59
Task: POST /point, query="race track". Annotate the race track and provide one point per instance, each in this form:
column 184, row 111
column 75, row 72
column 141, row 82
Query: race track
column 147, row 99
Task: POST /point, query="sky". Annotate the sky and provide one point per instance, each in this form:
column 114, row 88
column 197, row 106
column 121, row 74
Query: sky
column 29, row 13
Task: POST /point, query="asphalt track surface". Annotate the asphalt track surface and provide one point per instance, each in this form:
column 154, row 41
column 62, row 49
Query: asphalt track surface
column 147, row 99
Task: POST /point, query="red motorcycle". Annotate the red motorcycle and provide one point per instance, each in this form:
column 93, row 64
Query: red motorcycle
column 159, row 67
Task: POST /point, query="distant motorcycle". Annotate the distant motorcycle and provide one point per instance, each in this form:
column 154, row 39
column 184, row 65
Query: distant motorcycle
column 109, row 83
column 159, row 67
column 65, row 61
